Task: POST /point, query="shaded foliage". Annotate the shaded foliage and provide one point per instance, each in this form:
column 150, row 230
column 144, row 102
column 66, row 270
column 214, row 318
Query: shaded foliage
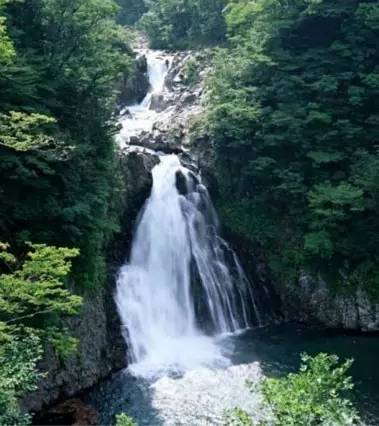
column 184, row 23
column 293, row 112
column 131, row 10
column 57, row 98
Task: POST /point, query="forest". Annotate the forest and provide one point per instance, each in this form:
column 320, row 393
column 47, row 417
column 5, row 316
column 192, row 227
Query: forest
column 292, row 117
column 60, row 65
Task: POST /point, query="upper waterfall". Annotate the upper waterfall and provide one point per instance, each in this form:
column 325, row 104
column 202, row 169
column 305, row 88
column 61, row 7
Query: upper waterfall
column 138, row 118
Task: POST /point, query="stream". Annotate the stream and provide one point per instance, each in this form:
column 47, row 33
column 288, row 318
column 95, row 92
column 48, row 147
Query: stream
column 188, row 312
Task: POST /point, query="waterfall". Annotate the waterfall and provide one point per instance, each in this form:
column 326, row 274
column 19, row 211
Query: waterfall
column 183, row 285
column 139, row 118
column 177, row 240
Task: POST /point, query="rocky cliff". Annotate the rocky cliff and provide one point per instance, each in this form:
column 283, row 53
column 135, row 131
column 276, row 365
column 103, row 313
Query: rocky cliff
column 101, row 349
column 312, row 300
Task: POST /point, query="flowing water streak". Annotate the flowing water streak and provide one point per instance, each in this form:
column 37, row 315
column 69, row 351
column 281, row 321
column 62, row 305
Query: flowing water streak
column 139, row 118
column 182, row 278
column 154, row 292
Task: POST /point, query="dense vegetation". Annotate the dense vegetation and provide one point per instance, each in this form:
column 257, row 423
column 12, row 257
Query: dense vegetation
column 293, row 114
column 184, row 23
column 58, row 75
column 60, row 64
column 316, row 395
column 33, row 302
column 131, row 10
column 294, row 118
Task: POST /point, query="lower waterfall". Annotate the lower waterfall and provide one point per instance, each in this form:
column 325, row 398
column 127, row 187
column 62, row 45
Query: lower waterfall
column 179, row 261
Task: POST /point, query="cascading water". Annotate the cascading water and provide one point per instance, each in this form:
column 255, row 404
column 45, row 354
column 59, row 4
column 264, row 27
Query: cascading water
column 138, row 118
column 177, row 240
column 183, row 283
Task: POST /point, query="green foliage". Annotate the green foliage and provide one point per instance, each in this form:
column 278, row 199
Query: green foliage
column 237, row 417
column 58, row 174
column 124, row 420
column 24, row 132
column 63, row 344
column 293, row 107
column 184, row 23
column 191, row 72
column 7, row 52
column 131, row 10
column 32, row 294
column 18, row 375
column 33, row 302
column 316, row 395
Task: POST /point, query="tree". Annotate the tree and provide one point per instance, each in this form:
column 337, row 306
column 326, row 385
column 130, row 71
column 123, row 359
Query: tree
column 184, row 23
column 292, row 106
column 33, row 303
column 57, row 102
column 318, row 394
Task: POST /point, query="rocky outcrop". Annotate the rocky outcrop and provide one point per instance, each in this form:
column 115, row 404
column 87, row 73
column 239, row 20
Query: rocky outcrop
column 71, row 412
column 314, row 301
column 177, row 106
column 134, row 87
column 101, row 350
column 135, row 166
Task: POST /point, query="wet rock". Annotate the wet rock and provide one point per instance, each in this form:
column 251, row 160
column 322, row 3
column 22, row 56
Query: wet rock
column 71, row 412
column 181, row 183
column 189, row 98
column 101, row 350
column 135, row 87
column 159, row 146
column 159, row 102
column 136, row 167
column 313, row 301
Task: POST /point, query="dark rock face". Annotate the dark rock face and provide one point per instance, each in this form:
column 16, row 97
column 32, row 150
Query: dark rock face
column 102, row 349
column 312, row 300
column 137, row 181
column 268, row 304
column 71, row 412
column 134, row 87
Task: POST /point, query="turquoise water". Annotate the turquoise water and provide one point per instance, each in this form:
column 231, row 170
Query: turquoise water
column 199, row 397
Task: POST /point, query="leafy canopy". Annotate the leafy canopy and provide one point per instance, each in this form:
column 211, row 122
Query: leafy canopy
column 58, row 93
column 292, row 111
column 318, row 394
column 33, row 302
column 184, row 23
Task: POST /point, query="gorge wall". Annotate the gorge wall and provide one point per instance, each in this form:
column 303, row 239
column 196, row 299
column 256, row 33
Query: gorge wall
column 101, row 348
